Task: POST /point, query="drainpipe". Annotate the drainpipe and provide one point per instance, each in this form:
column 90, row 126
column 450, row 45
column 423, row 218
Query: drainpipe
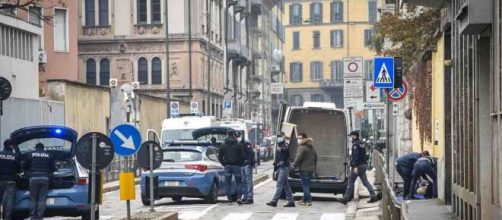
column 190, row 47
column 208, row 46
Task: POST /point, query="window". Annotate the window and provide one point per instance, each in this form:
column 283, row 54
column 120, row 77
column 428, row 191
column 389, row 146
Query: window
column 336, row 12
column 368, row 37
column 372, row 11
column 295, row 14
column 296, row 40
column 156, row 11
column 156, row 71
column 316, row 71
column 142, row 11
column 296, row 100
column 142, row 71
column 316, row 37
column 35, row 15
column 337, row 70
column 103, row 12
column 296, row 72
column 336, row 38
column 60, row 30
column 317, row 98
column 90, row 75
column 104, row 72
column 10, row 11
column 212, row 155
column 89, row 13
column 368, row 69
column 316, row 13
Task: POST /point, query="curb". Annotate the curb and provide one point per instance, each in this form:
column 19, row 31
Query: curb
column 260, row 178
column 354, row 204
column 169, row 216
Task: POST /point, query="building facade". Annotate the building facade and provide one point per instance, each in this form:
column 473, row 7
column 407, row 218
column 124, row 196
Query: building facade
column 320, row 35
column 126, row 40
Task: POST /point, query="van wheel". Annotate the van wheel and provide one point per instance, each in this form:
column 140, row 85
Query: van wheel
column 145, row 200
column 176, row 198
column 212, row 197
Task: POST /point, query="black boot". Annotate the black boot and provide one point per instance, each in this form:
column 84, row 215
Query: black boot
column 289, row 204
column 272, row 203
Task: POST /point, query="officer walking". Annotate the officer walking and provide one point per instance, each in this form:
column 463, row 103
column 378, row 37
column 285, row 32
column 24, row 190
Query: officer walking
column 41, row 165
column 358, row 169
column 9, row 168
column 247, row 172
column 425, row 166
column 404, row 166
column 282, row 167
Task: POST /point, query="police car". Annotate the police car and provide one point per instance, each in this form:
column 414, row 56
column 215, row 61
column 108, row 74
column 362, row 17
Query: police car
column 68, row 187
column 190, row 169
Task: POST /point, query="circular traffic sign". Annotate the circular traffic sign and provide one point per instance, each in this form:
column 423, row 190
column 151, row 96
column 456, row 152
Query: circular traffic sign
column 126, row 139
column 144, row 155
column 5, row 88
column 174, row 105
column 104, row 150
column 397, row 93
column 352, row 67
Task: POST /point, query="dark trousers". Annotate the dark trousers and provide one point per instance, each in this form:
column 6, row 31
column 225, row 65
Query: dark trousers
column 306, row 178
column 7, row 194
column 247, row 182
column 233, row 171
column 405, row 173
column 423, row 170
column 283, row 185
column 361, row 173
column 39, row 187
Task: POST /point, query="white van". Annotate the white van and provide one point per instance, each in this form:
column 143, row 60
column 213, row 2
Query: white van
column 181, row 128
column 237, row 124
column 329, row 127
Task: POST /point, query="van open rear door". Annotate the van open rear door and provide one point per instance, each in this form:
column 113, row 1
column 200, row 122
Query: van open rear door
column 280, row 118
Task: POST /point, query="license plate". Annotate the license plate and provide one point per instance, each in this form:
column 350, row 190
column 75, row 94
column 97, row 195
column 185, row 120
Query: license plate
column 171, row 183
column 51, row 201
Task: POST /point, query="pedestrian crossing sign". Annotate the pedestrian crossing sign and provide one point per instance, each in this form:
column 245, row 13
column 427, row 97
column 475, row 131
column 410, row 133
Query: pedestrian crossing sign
column 383, row 73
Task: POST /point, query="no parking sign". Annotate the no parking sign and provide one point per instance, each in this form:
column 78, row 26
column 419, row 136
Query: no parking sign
column 397, row 93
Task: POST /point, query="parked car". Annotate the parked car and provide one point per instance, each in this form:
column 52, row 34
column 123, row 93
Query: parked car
column 189, row 169
column 68, row 188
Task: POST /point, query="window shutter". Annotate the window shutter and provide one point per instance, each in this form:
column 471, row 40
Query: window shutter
column 331, row 38
column 320, row 13
column 341, row 38
column 300, row 66
column 299, row 16
column 312, row 17
column 291, row 14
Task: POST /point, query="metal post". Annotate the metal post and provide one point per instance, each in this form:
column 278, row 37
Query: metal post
column 150, row 149
column 168, row 68
column 208, row 21
column 190, row 47
column 93, row 176
column 128, row 203
column 375, row 129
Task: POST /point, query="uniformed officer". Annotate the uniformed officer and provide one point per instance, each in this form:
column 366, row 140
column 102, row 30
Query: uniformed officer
column 358, row 169
column 9, row 168
column 425, row 166
column 41, row 165
column 405, row 165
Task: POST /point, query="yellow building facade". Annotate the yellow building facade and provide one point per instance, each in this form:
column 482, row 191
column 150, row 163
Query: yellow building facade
column 319, row 34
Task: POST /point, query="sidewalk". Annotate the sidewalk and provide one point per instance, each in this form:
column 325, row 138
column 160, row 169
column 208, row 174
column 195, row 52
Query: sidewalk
column 365, row 210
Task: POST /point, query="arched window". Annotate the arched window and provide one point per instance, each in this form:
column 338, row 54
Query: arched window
column 104, row 72
column 142, row 71
column 90, row 76
column 156, row 71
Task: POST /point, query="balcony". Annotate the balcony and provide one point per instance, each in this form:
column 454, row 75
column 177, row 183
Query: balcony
column 237, row 51
column 96, row 30
column 331, row 84
column 426, row 3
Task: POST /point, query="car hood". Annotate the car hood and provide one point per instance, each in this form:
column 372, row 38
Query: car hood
column 210, row 131
column 24, row 135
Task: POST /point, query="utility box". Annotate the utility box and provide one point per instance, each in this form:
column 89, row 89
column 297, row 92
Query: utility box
column 474, row 16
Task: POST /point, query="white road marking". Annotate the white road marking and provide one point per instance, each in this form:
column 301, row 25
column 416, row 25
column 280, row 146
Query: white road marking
column 285, row 216
column 190, row 215
column 333, row 216
column 262, row 183
column 237, row 216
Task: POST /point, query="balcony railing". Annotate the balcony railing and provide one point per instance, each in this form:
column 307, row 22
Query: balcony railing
column 331, row 83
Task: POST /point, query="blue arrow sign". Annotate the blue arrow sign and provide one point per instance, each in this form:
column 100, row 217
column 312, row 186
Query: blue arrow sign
column 383, row 73
column 126, row 139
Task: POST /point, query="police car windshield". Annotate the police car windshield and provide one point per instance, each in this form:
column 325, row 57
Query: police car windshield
column 182, row 156
column 54, row 144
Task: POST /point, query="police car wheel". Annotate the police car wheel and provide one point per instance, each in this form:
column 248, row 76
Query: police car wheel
column 212, row 196
column 87, row 216
column 176, row 198
column 145, row 200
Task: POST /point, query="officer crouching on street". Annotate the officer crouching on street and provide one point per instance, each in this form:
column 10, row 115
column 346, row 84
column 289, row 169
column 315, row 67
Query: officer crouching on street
column 41, row 165
column 9, row 168
column 425, row 166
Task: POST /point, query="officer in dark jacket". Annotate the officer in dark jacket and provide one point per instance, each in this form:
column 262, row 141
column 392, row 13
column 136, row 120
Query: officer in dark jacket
column 404, row 166
column 9, row 168
column 232, row 157
column 358, row 169
column 282, row 164
column 425, row 166
column 247, row 171
column 41, row 165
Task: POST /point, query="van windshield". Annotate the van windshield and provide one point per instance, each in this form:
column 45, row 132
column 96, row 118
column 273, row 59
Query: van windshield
column 180, row 134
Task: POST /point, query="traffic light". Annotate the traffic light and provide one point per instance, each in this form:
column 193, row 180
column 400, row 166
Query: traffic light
column 398, row 72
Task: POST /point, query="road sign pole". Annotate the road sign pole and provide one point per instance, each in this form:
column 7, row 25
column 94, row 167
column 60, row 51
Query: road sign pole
column 93, row 176
column 375, row 132
column 150, row 149
column 128, row 202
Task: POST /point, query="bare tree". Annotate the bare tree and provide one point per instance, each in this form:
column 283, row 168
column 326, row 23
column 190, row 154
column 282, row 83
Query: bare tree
column 13, row 5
